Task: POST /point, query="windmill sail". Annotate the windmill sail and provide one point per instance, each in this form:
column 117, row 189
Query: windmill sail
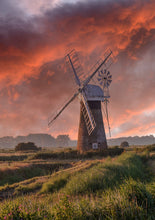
column 52, row 119
column 74, row 67
column 72, row 60
column 87, row 114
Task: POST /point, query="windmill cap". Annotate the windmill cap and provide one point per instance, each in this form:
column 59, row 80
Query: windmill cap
column 94, row 92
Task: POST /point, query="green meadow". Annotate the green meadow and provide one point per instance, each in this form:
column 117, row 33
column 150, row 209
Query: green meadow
column 113, row 184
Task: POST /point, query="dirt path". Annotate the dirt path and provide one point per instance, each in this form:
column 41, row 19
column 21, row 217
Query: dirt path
column 34, row 184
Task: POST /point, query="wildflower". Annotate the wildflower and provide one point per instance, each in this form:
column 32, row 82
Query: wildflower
column 5, row 217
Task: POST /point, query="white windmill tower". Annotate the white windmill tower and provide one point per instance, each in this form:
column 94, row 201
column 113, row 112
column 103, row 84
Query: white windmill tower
column 91, row 134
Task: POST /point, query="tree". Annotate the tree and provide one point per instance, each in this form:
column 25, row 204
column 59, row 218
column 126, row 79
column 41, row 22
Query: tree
column 26, row 146
column 62, row 140
column 124, row 144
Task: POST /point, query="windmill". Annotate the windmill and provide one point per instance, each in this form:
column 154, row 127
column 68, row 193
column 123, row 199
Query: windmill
column 91, row 90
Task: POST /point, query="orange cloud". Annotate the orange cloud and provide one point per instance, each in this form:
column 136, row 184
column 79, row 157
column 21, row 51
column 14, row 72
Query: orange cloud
column 32, row 78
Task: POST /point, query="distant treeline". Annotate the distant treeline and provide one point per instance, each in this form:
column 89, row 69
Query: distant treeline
column 40, row 140
column 46, row 140
column 136, row 140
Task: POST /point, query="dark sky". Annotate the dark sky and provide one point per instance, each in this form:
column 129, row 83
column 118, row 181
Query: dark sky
column 34, row 39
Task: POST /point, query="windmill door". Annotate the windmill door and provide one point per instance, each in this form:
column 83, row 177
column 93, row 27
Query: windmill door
column 95, row 146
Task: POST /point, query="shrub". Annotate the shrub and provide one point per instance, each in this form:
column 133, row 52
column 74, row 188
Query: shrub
column 151, row 147
column 74, row 154
column 26, row 147
column 124, row 144
column 62, row 140
column 13, row 158
column 148, row 148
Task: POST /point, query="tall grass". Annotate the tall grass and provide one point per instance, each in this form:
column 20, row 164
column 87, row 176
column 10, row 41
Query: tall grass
column 106, row 175
column 56, row 183
column 130, row 201
column 10, row 176
column 25, row 208
column 117, row 188
column 17, row 175
column 60, row 179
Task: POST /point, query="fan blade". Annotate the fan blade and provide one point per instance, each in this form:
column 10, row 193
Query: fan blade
column 88, row 116
column 100, row 74
column 99, row 79
column 63, row 108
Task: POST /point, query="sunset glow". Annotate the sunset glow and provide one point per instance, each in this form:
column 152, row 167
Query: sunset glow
column 34, row 38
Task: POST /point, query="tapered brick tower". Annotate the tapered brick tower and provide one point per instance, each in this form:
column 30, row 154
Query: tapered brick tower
column 97, row 139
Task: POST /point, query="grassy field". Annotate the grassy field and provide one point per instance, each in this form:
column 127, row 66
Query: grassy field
column 65, row 185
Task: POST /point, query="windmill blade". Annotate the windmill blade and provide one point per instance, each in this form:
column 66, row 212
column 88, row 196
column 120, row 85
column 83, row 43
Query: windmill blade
column 74, row 71
column 62, row 109
column 109, row 80
column 74, row 62
column 88, row 116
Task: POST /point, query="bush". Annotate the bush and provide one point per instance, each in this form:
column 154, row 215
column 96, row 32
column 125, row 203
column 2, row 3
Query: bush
column 151, row 147
column 13, row 158
column 26, row 147
column 148, row 148
column 74, row 154
column 124, row 144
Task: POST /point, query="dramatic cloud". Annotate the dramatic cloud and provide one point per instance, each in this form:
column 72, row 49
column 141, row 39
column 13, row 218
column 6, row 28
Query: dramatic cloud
column 32, row 72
